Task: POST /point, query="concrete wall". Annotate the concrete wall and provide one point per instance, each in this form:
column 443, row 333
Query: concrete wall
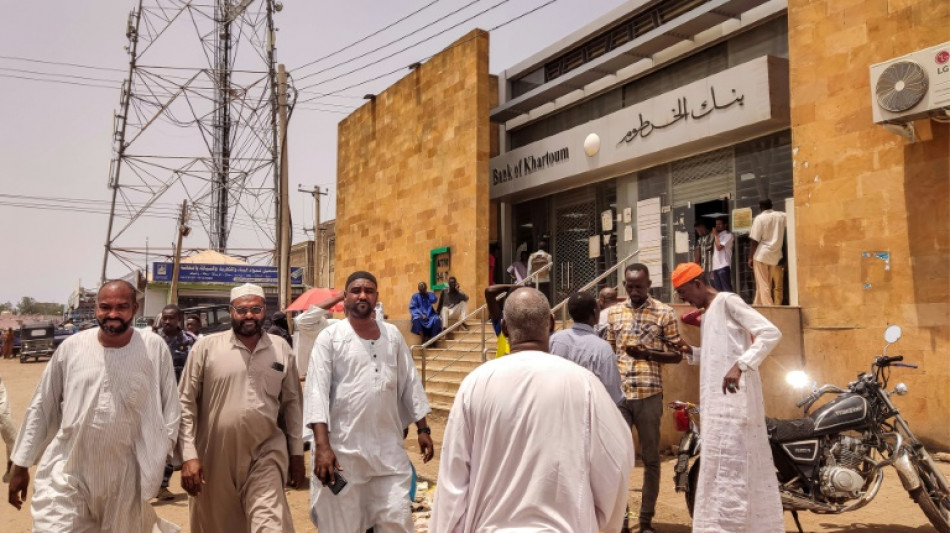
column 413, row 176
column 859, row 188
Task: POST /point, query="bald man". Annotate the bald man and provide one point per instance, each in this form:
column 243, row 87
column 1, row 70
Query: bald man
column 568, row 476
column 102, row 421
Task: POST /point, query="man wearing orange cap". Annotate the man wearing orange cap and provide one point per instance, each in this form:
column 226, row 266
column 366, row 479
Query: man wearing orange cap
column 737, row 488
column 644, row 334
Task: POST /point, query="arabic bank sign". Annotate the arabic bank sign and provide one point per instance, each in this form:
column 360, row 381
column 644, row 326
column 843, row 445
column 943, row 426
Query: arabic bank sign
column 203, row 273
column 724, row 108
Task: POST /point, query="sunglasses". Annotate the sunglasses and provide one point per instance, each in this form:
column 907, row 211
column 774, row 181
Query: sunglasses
column 256, row 310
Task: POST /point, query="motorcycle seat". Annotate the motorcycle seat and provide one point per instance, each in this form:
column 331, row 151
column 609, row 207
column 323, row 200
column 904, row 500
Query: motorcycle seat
column 790, row 429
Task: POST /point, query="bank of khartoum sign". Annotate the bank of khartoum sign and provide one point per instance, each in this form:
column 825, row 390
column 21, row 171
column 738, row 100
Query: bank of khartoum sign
column 730, row 106
column 528, row 165
column 206, row 273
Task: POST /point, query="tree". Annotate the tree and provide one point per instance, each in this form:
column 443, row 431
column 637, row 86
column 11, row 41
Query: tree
column 6, row 306
column 27, row 306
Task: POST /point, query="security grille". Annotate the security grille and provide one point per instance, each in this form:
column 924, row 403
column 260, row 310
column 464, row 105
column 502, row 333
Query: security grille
column 703, row 177
column 575, row 224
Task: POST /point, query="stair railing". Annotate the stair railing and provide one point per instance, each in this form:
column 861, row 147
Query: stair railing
column 562, row 306
column 481, row 312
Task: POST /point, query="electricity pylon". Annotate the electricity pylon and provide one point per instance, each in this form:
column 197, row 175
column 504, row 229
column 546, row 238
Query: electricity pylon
column 197, row 121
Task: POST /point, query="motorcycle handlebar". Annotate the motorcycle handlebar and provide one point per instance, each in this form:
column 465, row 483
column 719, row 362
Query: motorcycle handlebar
column 905, row 365
column 805, row 400
column 887, row 360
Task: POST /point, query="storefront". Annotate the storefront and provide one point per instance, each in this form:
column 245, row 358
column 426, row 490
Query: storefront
column 634, row 167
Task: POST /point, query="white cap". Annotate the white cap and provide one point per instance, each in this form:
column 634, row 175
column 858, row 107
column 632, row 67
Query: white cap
column 248, row 289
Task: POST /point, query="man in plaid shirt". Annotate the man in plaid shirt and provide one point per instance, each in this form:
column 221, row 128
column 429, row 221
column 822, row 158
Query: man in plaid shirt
column 644, row 334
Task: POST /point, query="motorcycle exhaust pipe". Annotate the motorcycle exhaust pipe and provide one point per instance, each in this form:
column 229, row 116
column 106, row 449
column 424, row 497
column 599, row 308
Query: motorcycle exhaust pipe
column 794, row 502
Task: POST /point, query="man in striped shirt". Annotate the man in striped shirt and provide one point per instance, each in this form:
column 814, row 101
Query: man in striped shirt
column 644, row 334
column 102, row 422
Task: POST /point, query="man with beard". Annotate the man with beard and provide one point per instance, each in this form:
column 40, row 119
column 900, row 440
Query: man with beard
column 365, row 392
column 179, row 343
column 101, row 424
column 241, row 418
column 737, row 489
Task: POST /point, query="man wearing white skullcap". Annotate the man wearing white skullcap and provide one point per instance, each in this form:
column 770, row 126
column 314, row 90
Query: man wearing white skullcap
column 233, row 390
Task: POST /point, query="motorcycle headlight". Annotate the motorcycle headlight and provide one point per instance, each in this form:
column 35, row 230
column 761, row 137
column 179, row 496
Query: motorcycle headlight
column 900, row 389
column 798, row 379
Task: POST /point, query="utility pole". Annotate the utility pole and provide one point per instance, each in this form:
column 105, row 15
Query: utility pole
column 183, row 231
column 284, row 198
column 317, row 233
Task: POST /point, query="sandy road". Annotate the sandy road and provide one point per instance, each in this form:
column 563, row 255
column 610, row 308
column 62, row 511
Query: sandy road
column 891, row 512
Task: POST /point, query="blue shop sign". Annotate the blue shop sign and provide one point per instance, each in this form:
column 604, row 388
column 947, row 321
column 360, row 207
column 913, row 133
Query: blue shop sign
column 202, row 273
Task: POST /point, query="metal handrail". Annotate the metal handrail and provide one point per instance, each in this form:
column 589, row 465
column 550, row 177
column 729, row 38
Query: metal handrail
column 562, row 306
column 481, row 310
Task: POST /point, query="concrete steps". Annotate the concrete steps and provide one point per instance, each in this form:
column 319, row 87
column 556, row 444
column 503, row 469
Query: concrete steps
column 451, row 359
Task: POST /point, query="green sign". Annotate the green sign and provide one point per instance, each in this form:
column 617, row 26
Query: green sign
column 440, row 263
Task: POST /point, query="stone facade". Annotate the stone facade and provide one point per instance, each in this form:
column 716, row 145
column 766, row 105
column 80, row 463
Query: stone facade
column 412, row 176
column 860, row 188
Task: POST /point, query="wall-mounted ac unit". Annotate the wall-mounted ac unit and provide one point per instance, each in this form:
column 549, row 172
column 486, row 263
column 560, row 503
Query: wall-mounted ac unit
column 911, row 87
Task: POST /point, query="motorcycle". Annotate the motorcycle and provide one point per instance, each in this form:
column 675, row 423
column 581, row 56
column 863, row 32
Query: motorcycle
column 832, row 461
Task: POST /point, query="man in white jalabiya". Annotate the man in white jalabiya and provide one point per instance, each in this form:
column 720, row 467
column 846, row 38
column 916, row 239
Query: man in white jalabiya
column 101, row 424
column 737, row 490
column 534, row 442
column 363, row 391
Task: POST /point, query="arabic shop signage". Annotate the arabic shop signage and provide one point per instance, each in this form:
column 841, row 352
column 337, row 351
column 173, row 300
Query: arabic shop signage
column 682, row 113
column 205, row 273
column 727, row 107
column 529, row 164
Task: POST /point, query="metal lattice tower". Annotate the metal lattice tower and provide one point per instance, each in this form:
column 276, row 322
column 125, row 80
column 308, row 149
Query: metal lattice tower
column 197, row 122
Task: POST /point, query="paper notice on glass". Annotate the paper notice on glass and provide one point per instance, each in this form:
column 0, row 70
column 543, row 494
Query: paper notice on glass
column 628, row 233
column 649, row 254
column 607, row 220
column 627, row 215
column 681, row 242
column 648, row 234
column 650, row 238
column 742, row 220
column 648, row 208
column 593, row 247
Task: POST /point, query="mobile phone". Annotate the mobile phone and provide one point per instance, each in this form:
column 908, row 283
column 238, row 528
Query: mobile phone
column 340, row 482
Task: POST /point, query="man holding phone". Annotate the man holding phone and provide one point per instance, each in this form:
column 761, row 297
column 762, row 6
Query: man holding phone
column 644, row 334
column 363, row 391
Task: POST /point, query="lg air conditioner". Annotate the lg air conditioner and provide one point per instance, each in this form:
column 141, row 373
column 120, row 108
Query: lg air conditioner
column 912, row 87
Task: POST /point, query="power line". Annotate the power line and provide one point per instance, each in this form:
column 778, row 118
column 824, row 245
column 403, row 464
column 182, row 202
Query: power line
column 64, row 82
column 366, row 37
column 49, row 62
column 74, row 76
column 394, row 71
column 390, row 43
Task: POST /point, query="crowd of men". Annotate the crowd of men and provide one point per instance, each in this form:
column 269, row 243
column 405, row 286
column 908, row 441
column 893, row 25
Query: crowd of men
column 539, row 440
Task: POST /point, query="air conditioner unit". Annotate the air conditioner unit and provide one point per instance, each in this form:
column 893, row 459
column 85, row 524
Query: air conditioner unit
column 911, row 87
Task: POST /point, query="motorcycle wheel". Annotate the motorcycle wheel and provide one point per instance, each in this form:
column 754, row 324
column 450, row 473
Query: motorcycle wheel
column 927, row 497
column 691, row 486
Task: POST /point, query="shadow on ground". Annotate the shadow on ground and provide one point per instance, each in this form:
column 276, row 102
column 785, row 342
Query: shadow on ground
column 875, row 528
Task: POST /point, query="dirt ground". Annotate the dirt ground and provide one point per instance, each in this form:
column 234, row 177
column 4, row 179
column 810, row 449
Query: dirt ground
column 891, row 512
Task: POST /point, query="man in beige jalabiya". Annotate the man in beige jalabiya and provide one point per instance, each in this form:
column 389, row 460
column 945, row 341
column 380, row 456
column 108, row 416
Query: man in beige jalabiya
column 241, row 423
